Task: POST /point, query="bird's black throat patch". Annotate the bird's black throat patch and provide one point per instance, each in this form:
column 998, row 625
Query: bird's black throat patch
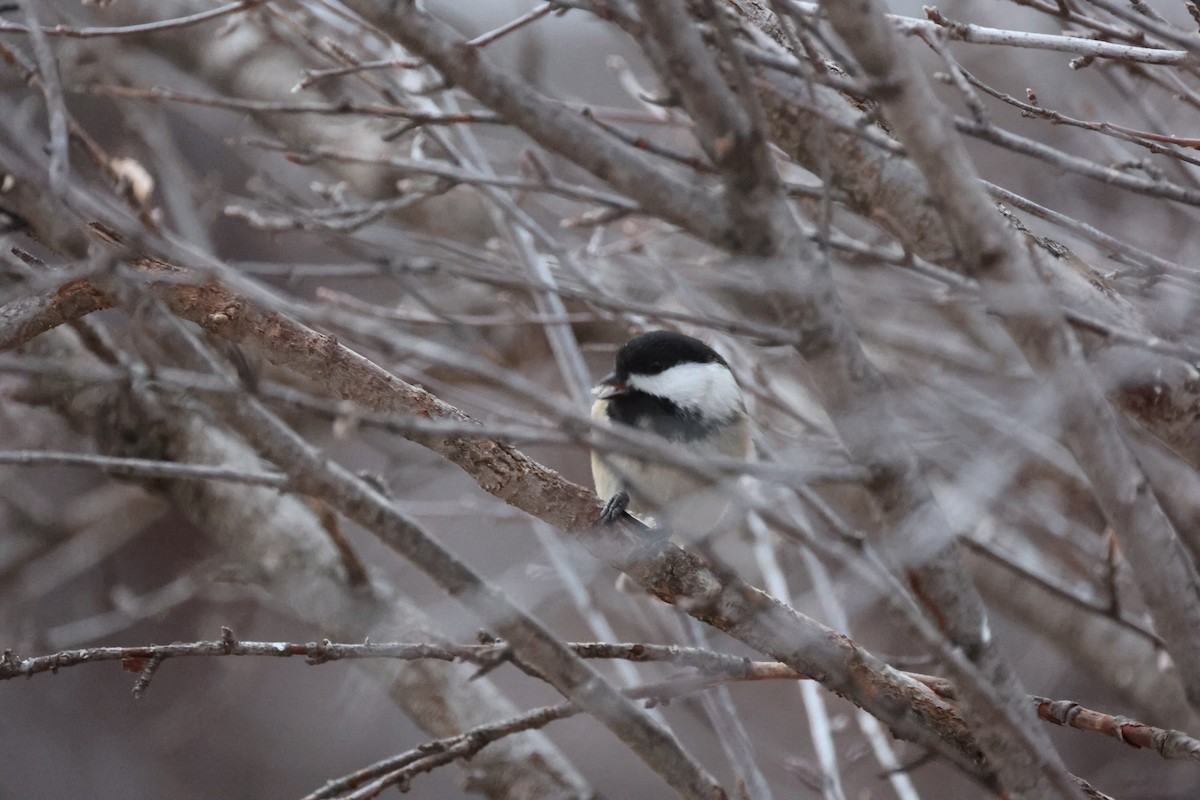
column 659, row 415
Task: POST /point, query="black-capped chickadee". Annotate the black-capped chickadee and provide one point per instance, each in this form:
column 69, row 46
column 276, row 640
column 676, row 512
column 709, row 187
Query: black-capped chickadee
column 679, row 388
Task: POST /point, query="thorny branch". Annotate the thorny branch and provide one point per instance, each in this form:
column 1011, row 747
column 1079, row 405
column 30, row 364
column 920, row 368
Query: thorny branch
column 711, row 668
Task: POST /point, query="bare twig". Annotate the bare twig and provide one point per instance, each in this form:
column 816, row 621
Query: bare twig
column 980, row 34
column 143, row 28
column 141, row 468
column 533, row 15
column 51, row 85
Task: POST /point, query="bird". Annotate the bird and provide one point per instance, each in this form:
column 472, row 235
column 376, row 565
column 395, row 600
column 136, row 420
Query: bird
column 678, row 388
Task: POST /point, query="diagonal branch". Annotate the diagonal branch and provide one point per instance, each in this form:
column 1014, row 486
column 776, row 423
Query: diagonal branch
column 727, row 131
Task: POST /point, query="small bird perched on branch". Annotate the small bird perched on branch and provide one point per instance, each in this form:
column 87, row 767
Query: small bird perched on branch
column 678, row 388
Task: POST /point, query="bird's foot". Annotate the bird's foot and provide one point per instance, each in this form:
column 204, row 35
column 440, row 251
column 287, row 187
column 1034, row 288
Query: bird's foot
column 615, row 508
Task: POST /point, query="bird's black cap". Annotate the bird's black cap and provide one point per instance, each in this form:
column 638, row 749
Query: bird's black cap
column 657, row 351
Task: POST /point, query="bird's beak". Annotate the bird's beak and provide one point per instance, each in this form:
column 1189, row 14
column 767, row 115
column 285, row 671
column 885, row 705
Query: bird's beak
column 610, row 386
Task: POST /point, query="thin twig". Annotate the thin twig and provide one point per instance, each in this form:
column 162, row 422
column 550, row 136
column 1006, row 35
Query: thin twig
column 51, row 86
column 140, row 29
column 979, row 34
column 142, row 468
column 534, row 14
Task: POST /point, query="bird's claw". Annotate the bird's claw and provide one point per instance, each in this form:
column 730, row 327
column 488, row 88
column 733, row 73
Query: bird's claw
column 615, row 508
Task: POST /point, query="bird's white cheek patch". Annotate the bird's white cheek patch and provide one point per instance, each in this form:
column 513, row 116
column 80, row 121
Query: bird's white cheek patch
column 708, row 389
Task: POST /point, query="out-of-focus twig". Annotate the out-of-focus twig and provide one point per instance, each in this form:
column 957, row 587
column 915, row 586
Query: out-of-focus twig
column 141, row 467
column 140, row 29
